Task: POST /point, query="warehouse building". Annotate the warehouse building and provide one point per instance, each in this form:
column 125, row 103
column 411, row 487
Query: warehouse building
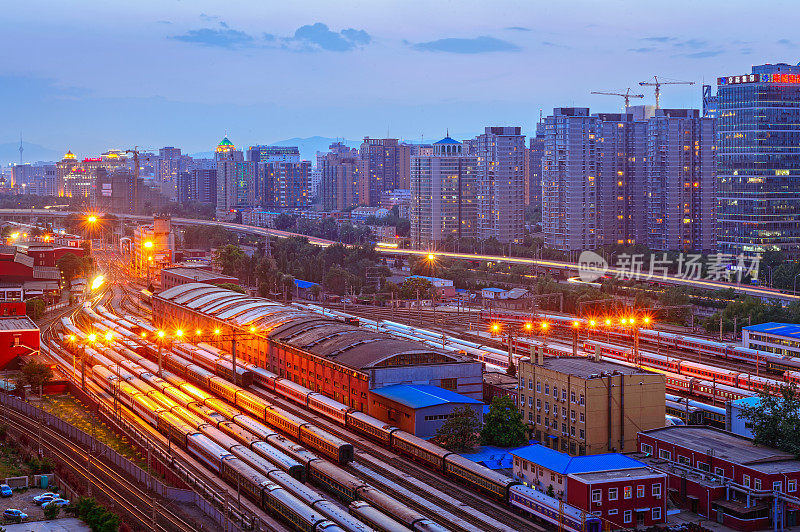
column 19, row 335
column 779, row 338
column 343, row 361
column 420, row 409
column 724, row 477
column 171, row 277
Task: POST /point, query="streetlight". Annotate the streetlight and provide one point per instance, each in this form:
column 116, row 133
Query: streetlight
column 98, row 282
column 160, row 343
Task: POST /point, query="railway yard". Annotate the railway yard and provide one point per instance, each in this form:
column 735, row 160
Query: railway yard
column 293, row 458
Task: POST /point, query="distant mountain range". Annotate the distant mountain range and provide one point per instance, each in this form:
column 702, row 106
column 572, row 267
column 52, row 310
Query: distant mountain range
column 9, row 153
column 308, row 146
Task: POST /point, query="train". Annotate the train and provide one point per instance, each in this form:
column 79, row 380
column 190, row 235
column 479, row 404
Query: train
column 491, row 483
column 772, row 362
column 253, row 483
column 676, row 365
column 694, row 412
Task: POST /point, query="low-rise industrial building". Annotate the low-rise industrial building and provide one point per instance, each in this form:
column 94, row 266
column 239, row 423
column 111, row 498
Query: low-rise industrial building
column 177, row 276
column 497, row 384
column 343, row 361
column 734, row 422
column 19, row 335
column 779, row 338
column 583, row 405
column 613, row 486
column 420, row 409
column 724, row 477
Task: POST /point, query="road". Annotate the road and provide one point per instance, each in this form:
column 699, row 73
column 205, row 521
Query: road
column 559, row 265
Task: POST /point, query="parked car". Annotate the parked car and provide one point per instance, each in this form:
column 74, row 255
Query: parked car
column 5, row 490
column 58, row 501
column 45, row 497
column 12, row 514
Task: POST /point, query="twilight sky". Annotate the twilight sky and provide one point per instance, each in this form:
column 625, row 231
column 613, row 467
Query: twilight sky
column 92, row 75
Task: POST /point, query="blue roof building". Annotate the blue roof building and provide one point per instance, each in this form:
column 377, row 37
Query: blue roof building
column 736, row 424
column 537, row 465
column 779, row 338
column 419, row 408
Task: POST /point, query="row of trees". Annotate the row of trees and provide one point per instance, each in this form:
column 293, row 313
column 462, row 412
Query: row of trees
column 502, row 427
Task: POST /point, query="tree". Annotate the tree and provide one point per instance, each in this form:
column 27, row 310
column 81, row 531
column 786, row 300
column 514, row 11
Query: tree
column 503, row 425
column 231, row 259
column 459, row 432
column 70, row 266
column 776, row 419
column 414, row 287
column 34, row 308
column 337, row 280
column 51, row 511
column 232, row 286
column 36, row 374
column 285, row 221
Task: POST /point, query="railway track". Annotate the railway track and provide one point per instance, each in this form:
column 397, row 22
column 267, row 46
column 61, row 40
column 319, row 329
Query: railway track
column 138, row 504
column 373, row 457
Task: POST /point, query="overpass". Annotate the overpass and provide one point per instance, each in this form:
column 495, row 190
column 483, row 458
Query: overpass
column 708, row 284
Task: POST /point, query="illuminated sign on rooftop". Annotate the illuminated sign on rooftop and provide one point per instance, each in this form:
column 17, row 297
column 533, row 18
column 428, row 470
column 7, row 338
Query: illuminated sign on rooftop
column 759, row 78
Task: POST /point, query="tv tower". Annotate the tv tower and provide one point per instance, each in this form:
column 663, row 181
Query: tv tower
column 21, row 149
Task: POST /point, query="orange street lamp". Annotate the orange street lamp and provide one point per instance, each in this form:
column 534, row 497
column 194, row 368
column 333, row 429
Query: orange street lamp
column 528, row 325
column 179, row 333
column 92, row 337
column 161, row 334
column 148, row 244
column 92, row 219
column 545, row 325
column 431, row 257
column 109, row 336
column 198, row 332
column 592, row 323
column 216, row 331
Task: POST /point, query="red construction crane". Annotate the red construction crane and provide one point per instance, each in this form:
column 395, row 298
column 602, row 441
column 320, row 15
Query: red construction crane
column 657, row 84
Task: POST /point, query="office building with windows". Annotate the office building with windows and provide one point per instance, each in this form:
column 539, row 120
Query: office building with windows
column 580, row 405
column 384, row 166
column 758, row 169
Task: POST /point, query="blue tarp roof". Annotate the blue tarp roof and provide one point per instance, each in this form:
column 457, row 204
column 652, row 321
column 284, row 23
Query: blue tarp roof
column 492, row 457
column 299, row 283
column 747, row 401
column 565, row 464
column 422, row 395
column 493, row 289
column 788, row 330
column 431, row 279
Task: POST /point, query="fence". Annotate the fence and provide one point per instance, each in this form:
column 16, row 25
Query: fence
column 100, row 450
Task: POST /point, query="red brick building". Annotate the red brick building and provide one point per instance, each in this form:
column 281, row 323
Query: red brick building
column 621, row 498
column 340, row 360
column 725, row 477
column 19, row 336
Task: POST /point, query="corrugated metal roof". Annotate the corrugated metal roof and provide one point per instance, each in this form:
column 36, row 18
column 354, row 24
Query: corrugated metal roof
column 565, row 464
column 787, row 330
column 422, row 395
column 18, row 323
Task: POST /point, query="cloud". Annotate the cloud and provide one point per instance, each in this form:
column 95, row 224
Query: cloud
column 658, row 39
column 163, row 22
column 209, row 18
column 785, row 42
column 319, row 37
column 477, row 45
column 642, row 50
column 221, row 38
column 694, row 44
column 517, row 28
column 704, row 54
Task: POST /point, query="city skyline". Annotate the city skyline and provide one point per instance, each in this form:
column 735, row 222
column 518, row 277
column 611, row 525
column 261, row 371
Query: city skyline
column 185, row 75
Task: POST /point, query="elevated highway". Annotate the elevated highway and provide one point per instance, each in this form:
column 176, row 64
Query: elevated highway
column 570, row 267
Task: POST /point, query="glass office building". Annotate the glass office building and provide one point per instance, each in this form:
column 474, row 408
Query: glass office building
column 758, row 134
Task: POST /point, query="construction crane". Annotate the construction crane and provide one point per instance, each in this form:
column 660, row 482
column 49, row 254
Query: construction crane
column 657, row 84
column 627, row 95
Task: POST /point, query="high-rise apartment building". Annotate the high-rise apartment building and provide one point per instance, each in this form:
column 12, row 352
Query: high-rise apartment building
column 63, row 167
column 500, row 190
column 758, row 161
column 284, row 184
column 443, row 194
column 384, row 166
column 681, row 181
column 620, row 179
column 533, row 168
column 198, row 185
column 569, row 180
column 236, row 179
column 273, row 154
column 339, row 177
